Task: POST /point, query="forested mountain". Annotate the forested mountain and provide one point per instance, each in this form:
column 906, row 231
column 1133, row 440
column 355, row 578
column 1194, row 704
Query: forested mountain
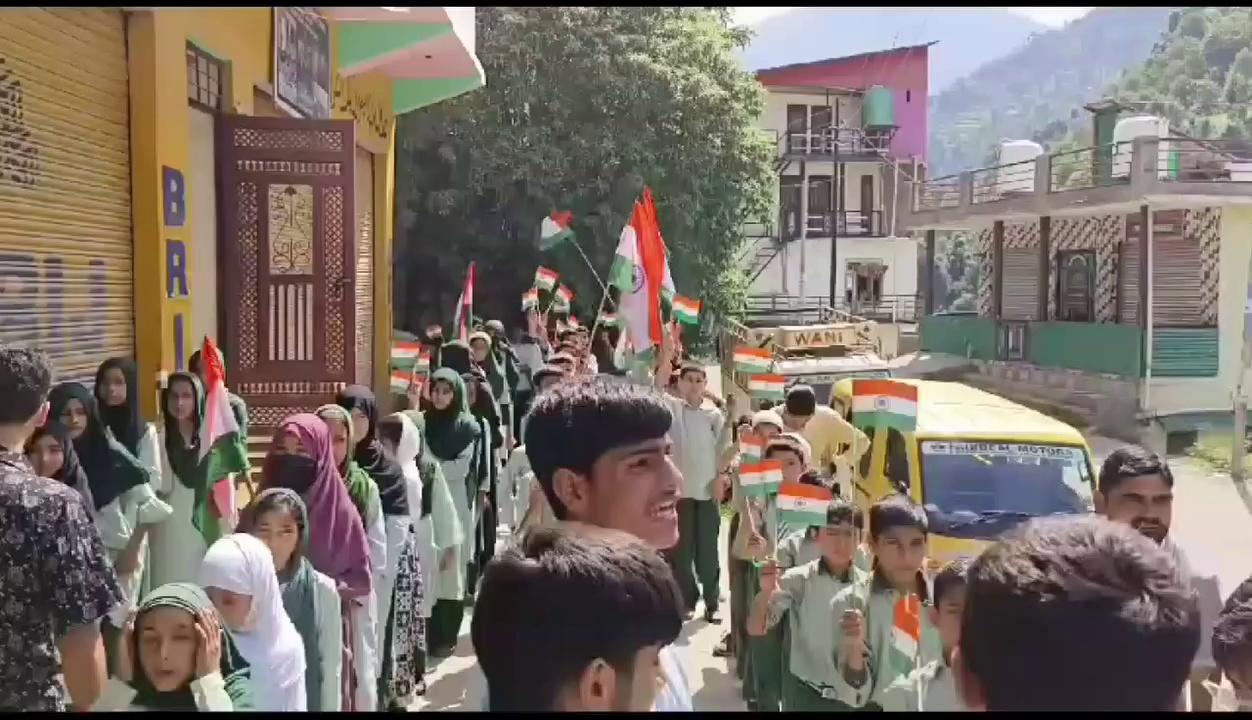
column 1037, row 91
column 968, row 37
column 1199, row 75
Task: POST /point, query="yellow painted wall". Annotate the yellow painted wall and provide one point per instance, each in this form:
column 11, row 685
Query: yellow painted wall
column 243, row 38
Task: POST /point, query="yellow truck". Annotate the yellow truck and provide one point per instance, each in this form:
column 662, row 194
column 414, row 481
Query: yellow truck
column 978, row 463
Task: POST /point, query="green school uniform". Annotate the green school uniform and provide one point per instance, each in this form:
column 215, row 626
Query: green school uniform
column 927, row 689
column 805, row 594
column 877, row 601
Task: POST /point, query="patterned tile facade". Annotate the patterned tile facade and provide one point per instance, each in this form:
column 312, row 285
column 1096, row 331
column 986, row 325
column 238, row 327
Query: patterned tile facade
column 986, row 270
column 1205, row 225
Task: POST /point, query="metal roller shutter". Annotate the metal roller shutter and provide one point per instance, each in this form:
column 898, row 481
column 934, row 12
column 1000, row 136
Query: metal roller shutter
column 66, row 257
column 1175, row 282
column 1128, row 283
column 364, row 268
column 1020, row 299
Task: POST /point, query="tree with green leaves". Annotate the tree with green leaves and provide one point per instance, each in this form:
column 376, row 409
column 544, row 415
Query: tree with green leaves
column 583, row 107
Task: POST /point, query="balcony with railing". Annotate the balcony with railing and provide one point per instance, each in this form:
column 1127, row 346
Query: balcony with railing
column 851, row 223
column 1084, row 178
column 851, row 144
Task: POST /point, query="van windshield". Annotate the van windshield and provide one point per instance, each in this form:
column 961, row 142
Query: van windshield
column 966, row 483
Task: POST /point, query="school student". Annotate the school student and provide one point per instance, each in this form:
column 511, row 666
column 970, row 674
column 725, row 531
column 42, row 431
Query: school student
column 279, row 518
column 1232, row 650
column 174, row 655
column 238, row 575
column 117, row 395
column 804, row 594
column 1075, row 614
column 600, row 451
column 593, row 609
column 50, row 451
column 931, row 688
column 884, row 634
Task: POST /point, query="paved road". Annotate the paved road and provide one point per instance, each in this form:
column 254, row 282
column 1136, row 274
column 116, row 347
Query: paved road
column 1212, row 522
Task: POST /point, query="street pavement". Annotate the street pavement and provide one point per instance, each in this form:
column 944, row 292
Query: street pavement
column 1212, row 522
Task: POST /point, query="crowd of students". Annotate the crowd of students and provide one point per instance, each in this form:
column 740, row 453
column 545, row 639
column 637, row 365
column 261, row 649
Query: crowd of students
column 353, row 565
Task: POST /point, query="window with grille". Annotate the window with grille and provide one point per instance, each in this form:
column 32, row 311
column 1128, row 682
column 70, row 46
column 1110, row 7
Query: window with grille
column 205, row 79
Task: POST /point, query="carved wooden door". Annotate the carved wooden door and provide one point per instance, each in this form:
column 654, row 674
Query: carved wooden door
column 286, row 261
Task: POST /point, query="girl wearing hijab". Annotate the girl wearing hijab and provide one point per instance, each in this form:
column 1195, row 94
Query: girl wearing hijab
column 368, row 503
column 368, row 454
column 176, row 656
column 199, row 518
column 239, row 577
column 125, row 508
column 456, row 440
column 405, row 634
column 51, row 453
column 439, row 533
column 115, row 393
column 278, row 517
column 483, row 406
column 300, row 459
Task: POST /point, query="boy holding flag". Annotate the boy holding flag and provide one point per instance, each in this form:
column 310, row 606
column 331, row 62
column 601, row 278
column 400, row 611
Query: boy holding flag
column 883, row 632
column 805, row 594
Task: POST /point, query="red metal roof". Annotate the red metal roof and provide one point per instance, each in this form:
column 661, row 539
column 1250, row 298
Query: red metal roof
column 837, row 61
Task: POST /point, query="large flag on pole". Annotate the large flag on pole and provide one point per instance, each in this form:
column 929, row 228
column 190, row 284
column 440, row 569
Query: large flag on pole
column 223, row 449
column 465, row 307
column 554, row 229
column 641, row 274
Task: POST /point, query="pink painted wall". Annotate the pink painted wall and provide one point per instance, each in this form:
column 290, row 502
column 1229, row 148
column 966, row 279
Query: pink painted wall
column 905, row 72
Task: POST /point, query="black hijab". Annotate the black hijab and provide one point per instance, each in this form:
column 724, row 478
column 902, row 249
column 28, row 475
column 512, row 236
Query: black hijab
column 484, row 406
column 371, row 456
column 71, row 472
column 122, row 420
column 111, row 468
column 456, row 356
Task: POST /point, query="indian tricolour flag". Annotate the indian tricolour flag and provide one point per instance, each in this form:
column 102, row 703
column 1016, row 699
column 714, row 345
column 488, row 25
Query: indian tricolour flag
column 400, row 380
column 884, row 403
column 608, row 319
column 767, row 387
column 422, row 364
column 751, row 449
column 906, row 633
column 763, row 479
column 530, row 299
column 545, row 279
column 405, row 354
column 554, row 229
column 753, row 360
column 802, row 505
column 641, row 274
column 223, row 449
column 562, row 297
column 686, row 310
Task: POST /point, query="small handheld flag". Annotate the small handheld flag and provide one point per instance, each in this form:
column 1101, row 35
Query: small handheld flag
column 801, row 505
column 884, row 403
column 751, row 449
column 608, row 319
column 554, row 229
column 562, row 297
column 530, row 299
column 400, row 381
column 545, row 279
column 763, row 479
column 767, row 387
column 753, row 360
column 906, row 633
column 686, row 310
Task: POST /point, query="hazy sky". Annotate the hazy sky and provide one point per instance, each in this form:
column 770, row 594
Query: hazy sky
column 1052, row 16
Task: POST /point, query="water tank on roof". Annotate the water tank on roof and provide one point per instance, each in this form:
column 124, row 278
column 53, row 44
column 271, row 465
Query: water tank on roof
column 1129, row 128
column 1015, row 167
column 877, row 108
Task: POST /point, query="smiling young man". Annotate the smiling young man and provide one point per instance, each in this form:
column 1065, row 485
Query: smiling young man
column 599, row 449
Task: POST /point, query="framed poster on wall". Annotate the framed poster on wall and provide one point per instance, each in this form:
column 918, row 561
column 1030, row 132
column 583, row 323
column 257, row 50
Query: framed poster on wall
column 302, row 75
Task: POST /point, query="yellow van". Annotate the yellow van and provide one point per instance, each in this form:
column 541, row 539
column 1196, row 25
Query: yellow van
column 978, row 463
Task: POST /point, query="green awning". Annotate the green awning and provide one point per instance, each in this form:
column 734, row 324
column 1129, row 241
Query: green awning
column 364, row 42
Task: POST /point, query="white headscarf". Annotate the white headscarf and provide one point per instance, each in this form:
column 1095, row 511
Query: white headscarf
column 243, row 564
column 407, row 450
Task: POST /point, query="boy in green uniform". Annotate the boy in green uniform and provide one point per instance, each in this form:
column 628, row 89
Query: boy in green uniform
column 804, row 594
column 746, row 545
column 766, row 660
column 931, row 688
column 883, row 632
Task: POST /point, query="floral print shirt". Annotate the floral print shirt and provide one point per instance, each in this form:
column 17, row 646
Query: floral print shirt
column 54, row 575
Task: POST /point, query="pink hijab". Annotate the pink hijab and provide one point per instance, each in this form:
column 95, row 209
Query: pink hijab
column 337, row 544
